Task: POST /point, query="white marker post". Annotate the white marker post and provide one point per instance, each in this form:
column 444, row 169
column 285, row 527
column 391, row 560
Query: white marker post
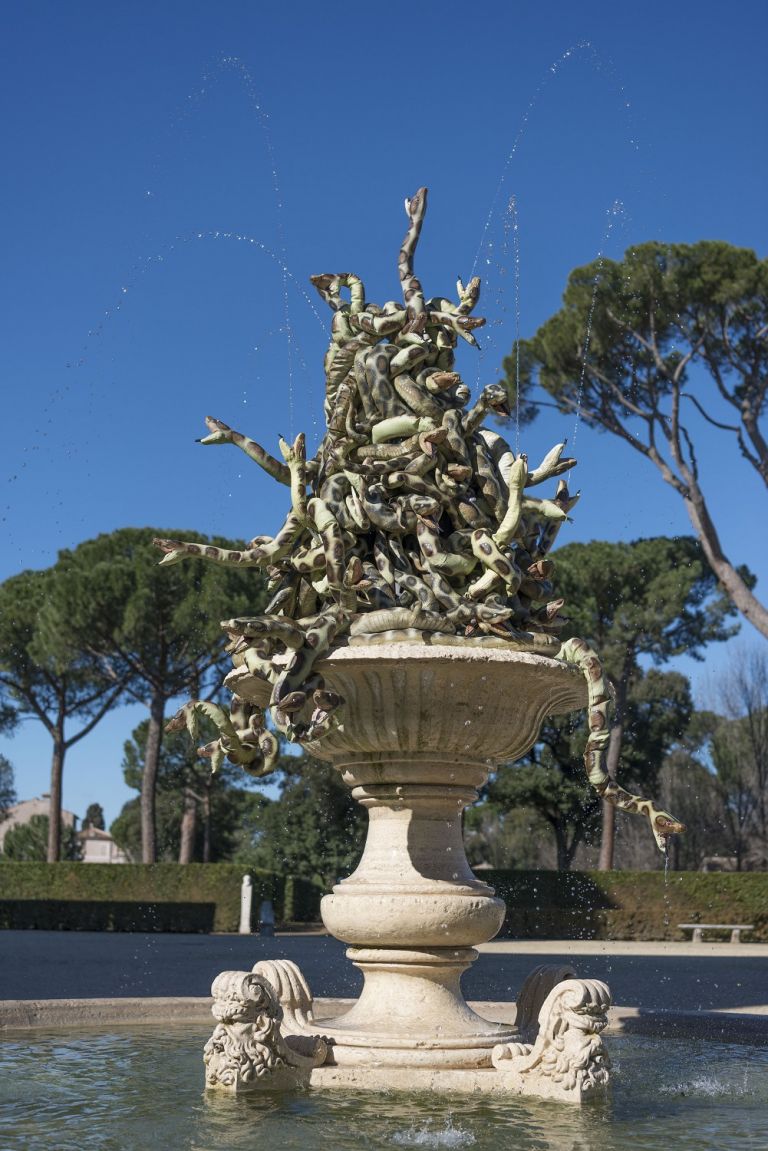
column 246, row 904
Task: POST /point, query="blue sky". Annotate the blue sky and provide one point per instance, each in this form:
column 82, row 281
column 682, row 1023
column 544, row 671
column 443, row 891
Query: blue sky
column 140, row 140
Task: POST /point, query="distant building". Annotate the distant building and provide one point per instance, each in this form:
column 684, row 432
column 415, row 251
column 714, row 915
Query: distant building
column 96, row 846
column 23, row 812
column 99, row 847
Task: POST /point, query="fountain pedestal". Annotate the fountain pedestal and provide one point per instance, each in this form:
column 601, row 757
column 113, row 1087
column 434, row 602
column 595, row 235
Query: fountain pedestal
column 422, row 726
column 413, row 911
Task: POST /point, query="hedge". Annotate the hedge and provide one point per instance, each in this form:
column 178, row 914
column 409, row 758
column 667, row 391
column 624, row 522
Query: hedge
column 145, row 897
column 104, row 915
column 627, row 904
column 540, row 904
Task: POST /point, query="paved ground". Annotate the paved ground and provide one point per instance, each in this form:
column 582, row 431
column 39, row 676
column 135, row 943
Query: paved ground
column 82, row 965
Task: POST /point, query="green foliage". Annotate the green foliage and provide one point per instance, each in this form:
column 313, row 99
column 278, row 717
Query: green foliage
column 42, row 673
column 677, row 335
column 650, row 599
column 46, row 675
column 690, row 789
column 7, row 786
column 550, row 779
column 94, row 817
column 729, row 748
column 501, row 836
column 161, row 884
column 92, row 915
column 157, row 627
column 314, row 830
column 28, row 842
column 734, row 741
column 661, row 310
column 222, row 803
column 626, row 904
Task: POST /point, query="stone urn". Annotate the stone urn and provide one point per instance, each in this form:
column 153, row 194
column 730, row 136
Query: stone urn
column 423, row 724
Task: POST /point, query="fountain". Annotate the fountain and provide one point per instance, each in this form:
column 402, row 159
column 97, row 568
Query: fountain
column 411, row 639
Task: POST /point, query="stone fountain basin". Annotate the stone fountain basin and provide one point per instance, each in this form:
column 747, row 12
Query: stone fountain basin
column 422, row 725
column 456, row 702
column 141, row 1087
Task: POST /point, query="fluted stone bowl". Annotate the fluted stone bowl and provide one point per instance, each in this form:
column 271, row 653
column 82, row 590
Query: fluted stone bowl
column 402, row 698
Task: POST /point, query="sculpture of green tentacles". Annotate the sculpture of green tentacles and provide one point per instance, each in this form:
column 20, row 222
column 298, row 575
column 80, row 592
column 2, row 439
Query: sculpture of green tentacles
column 411, row 521
column 243, row 741
column 663, row 824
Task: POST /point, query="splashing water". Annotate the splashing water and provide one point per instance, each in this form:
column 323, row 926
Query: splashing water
column 602, row 65
column 145, row 263
column 513, row 216
column 105, row 1090
column 237, row 67
column 708, row 1085
column 510, row 238
column 665, row 894
column 431, row 1136
column 616, row 210
column 485, row 247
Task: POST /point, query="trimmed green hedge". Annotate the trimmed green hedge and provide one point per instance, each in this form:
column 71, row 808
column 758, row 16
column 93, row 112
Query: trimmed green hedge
column 100, row 915
column 540, row 904
column 627, row 904
column 146, row 897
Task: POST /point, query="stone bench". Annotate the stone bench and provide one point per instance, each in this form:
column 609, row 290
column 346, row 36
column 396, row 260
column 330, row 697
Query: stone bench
column 734, row 928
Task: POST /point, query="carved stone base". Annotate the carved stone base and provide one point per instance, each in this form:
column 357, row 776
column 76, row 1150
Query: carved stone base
column 568, row 1060
column 440, row 1080
column 408, row 1032
column 411, row 1013
column 247, row 1050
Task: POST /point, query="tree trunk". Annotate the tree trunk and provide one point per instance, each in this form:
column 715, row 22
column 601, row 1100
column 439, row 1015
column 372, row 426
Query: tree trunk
column 733, row 585
column 563, row 855
column 608, row 835
column 149, row 778
column 54, row 810
column 188, row 828
column 607, row 838
column 565, row 850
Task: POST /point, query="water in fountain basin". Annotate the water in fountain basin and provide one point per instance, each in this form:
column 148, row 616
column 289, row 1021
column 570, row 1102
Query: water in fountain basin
column 135, row 1088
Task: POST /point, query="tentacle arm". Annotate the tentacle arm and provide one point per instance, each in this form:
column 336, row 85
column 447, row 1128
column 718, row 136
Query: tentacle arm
column 461, row 325
column 578, row 651
column 493, row 398
column 330, row 533
column 413, row 294
column 468, row 296
column 487, row 551
column 295, row 456
column 243, row 738
column 552, row 465
column 383, row 325
column 178, row 550
column 258, row 556
column 516, row 478
column 221, row 433
column 329, row 285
